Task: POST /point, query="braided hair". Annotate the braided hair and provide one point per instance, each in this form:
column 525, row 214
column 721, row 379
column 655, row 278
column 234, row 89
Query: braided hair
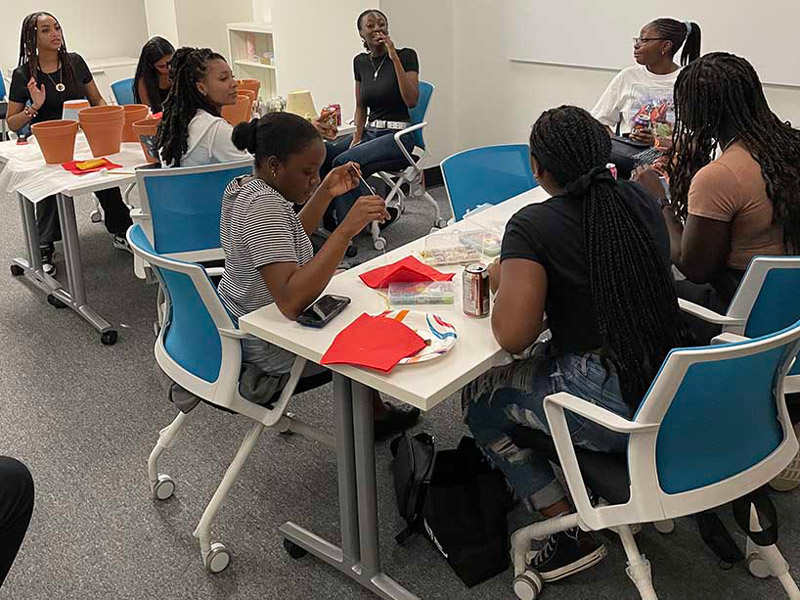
column 187, row 67
column 634, row 298
column 680, row 33
column 718, row 99
column 28, row 49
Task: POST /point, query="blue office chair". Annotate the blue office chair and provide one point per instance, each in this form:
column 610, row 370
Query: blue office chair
column 123, row 91
column 406, row 170
column 488, row 175
column 712, row 429
column 199, row 348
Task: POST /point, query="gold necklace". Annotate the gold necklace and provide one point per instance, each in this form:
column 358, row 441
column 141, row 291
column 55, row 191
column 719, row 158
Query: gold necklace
column 378, row 70
column 60, row 87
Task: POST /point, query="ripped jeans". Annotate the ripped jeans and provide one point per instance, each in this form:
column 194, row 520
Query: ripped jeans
column 511, row 395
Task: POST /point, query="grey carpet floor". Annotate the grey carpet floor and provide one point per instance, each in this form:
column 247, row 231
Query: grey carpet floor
column 84, row 417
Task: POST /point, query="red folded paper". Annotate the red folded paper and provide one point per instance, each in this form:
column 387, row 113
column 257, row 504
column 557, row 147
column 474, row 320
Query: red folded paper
column 408, row 270
column 72, row 166
column 374, row 342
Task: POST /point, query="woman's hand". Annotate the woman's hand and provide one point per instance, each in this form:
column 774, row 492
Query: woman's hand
column 355, row 142
column 323, row 125
column 389, row 44
column 342, row 179
column 643, row 135
column 650, row 179
column 366, row 210
column 494, row 275
column 38, row 94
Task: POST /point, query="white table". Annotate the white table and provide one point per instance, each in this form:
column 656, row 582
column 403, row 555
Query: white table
column 423, row 385
column 26, row 175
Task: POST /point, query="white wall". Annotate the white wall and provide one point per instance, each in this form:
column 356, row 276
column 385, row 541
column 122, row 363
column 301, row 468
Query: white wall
column 315, row 42
column 93, row 29
column 205, row 27
column 161, row 20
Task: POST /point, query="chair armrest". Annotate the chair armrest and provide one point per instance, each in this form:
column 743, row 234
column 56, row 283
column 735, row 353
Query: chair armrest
column 236, row 334
column 707, row 315
column 137, row 216
column 215, row 271
column 728, row 338
column 398, row 139
column 598, row 414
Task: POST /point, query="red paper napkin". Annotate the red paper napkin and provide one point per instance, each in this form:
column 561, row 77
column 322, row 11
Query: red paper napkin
column 72, row 167
column 374, row 342
column 408, row 270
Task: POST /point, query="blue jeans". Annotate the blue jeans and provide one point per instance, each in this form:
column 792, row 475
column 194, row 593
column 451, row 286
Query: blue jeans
column 377, row 145
column 512, row 395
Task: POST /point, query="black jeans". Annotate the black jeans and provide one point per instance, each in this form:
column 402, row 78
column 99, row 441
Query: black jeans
column 117, row 216
column 717, row 296
column 16, row 507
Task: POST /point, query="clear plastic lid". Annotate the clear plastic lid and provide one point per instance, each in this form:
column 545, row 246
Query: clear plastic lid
column 429, row 292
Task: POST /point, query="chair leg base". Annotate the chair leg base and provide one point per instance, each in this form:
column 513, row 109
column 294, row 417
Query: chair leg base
column 638, row 569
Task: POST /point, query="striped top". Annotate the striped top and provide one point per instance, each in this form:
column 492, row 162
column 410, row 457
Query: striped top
column 258, row 227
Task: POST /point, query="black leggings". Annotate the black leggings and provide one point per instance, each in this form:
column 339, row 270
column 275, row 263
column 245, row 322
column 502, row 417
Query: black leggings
column 117, row 216
column 16, row 507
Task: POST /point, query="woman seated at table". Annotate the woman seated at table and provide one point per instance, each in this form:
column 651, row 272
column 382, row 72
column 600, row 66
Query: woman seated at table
column 48, row 75
column 387, row 85
column 745, row 203
column 151, row 84
column 268, row 254
column 192, row 131
column 595, row 258
column 639, row 98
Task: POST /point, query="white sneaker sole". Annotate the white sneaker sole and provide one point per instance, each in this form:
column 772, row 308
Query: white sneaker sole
column 587, row 562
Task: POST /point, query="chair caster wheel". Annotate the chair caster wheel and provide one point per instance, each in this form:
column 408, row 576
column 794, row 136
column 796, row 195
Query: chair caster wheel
column 440, row 223
column 16, row 270
column 218, row 558
column 380, row 244
column 164, row 487
column 528, row 586
column 665, row 527
column 108, row 338
column 53, row 301
column 758, row 567
column 294, row 550
column 96, row 217
column 351, row 251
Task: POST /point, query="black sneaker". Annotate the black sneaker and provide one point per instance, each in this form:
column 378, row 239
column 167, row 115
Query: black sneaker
column 120, row 242
column 394, row 214
column 397, row 418
column 566, row 553
column 48, row 262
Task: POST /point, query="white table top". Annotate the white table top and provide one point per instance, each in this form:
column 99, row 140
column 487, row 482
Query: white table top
column 423, row 385
column 26, row 172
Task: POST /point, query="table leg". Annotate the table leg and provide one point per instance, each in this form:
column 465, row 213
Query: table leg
column 31, row 266
column 360, row 556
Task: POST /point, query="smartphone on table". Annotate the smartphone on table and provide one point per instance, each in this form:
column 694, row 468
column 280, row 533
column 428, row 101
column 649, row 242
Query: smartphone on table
column 323, row 311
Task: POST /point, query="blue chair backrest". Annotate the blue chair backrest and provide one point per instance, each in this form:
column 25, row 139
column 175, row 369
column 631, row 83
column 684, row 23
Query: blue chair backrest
column 417, row 113
column 722, row 420
column 189, row 333
column 2, row 86
column 777, row 305
column 123, row 91
column 186, row 207
column 488, row 175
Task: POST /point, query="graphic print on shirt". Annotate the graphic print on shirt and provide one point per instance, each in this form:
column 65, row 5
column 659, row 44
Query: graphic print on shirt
column 652, row 108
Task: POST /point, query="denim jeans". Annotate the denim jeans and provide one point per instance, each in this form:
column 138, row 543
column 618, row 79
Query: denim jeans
column 512, row 395
column 377, row 145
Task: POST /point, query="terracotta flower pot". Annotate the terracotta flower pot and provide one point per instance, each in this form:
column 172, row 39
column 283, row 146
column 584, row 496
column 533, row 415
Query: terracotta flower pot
column 71, row 108
column 103, row 128
column 245, row 92
column 56, row 140
column 249, row 84
column 145, row 132
column 239, row 112
column 133, row 113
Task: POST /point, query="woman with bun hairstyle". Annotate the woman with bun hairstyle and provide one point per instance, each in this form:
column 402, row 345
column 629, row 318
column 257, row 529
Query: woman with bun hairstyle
column 268, row 253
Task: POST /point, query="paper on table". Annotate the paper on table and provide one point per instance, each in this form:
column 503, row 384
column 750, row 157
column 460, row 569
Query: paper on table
column 373, row 342
column 409, row 269
column 72, row 166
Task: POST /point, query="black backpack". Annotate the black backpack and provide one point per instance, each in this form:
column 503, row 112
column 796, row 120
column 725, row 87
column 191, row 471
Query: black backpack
column 414, row 458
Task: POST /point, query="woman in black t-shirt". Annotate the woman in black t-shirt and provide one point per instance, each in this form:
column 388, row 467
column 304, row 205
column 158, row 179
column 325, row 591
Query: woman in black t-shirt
column 151, row 84
column 595, row 258
column 387, row 85
column 48, row 75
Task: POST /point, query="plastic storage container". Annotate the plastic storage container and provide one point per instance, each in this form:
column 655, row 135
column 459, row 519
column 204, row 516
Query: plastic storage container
column 432, row 292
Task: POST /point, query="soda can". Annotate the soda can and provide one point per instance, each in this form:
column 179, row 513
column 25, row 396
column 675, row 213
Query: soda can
column 475, row 290
column 613, row 168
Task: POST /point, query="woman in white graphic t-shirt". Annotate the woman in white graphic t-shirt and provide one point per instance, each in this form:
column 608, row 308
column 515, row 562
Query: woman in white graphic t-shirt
column 639, row 99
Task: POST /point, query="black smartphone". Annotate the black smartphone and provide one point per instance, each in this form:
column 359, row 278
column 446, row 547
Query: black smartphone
column 323, row 311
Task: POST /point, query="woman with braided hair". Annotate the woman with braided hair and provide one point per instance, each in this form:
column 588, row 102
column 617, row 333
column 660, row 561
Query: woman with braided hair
column 46, row 76
column 595, row 258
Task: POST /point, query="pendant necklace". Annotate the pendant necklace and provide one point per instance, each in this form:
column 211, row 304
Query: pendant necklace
column 378, row 70
column 60, row 87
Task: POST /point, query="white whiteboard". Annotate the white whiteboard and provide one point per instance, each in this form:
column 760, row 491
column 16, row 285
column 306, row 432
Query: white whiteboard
column 597, row 33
